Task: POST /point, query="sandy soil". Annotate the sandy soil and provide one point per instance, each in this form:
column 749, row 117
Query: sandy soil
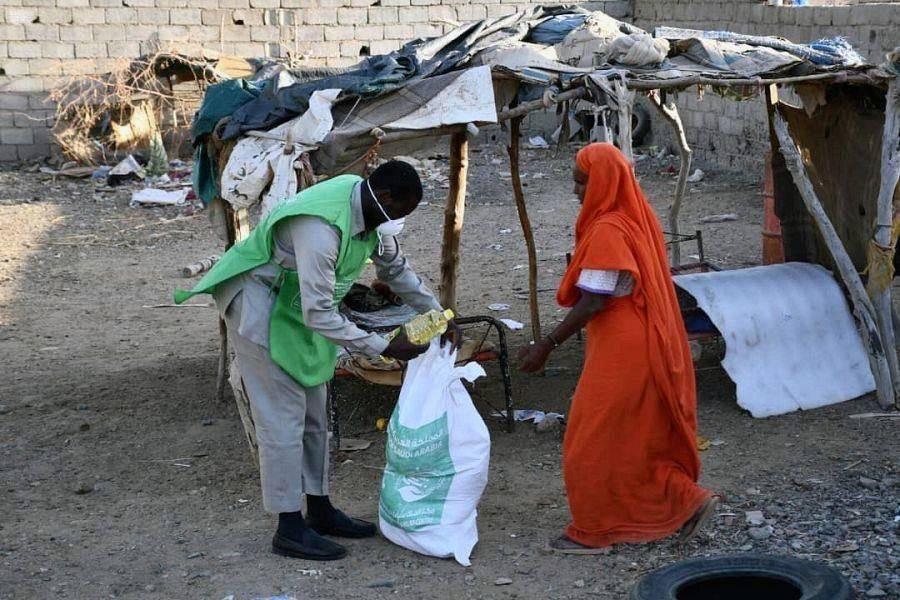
column 121, row 477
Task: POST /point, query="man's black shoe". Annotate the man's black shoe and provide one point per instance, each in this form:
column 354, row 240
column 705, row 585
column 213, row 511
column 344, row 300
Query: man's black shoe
column 341, row 525
column 310, row 546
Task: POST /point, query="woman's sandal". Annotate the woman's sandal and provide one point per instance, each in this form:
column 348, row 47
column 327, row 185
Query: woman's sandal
column 565, row 545
column 706, row 512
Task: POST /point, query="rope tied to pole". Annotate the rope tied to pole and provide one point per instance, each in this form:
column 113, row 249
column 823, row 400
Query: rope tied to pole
column 880, row 262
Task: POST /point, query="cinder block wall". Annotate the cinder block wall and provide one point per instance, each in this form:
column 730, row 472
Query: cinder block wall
column 43, row 40
column 735, row 134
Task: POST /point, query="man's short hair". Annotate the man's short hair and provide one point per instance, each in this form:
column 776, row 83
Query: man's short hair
column 400, row 179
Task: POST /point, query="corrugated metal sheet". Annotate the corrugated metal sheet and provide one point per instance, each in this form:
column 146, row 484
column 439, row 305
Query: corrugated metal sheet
column 791, row 342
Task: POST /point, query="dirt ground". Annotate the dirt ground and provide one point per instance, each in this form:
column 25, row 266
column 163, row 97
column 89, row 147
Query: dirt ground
column 121, row 477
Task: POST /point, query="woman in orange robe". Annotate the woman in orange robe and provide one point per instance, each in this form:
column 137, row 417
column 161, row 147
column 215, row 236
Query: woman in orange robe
column 630, row 459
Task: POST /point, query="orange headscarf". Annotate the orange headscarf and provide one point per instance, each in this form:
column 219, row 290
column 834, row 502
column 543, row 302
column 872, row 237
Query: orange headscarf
column 618, row 230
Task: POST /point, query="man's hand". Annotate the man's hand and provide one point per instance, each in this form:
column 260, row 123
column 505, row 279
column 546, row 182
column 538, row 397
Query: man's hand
column 453, row 335
column 402, row 349
column 534, row 357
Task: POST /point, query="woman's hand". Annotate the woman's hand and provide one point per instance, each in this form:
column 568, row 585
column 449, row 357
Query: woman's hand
column 534, row 356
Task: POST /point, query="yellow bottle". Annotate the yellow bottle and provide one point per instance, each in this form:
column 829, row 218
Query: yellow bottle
column 424, row 328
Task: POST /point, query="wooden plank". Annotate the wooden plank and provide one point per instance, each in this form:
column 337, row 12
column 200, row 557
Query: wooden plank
column 453, row 218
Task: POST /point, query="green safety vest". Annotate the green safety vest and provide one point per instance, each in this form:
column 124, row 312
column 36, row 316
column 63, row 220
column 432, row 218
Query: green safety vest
column 303, row 354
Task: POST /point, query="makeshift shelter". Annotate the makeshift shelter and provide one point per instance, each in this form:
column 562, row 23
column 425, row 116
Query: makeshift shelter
column 836, row 210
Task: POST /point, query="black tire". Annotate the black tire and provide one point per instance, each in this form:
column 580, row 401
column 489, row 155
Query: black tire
column 640, row 124
column 813, row 580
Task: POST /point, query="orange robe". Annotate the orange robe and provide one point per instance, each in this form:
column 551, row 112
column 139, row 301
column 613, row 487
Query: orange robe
column 630, row 459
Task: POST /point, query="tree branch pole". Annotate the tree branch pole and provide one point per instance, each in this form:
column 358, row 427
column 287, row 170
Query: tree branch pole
column 862, row 306
column 453, row 218
column 669, row 112
column 625, row 101
column 881, row 273
column 513, row 150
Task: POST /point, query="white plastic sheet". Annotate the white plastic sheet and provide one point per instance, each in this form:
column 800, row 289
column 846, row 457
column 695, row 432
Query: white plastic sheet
column 791, row 342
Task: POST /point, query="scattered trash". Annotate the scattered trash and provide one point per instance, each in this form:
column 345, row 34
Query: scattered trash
column 512, row 325
column 496, row 161
column 201, row 266
column 702, row 443
column 719, row 218
column 869, row 415
column 518, row 267
column 84, row 488
column 310, row 572
column 505, row 231
column 82, row 407
column 717, row 443
column 579, row 583
column 876, row 592
column 206, row 422
column 381, row 424
column 159, row 197
column 503, row 581
column 194, row 555
column 128, row 169
column 537, row 142
column 498, row 307
column 529, row 415
column 546, row 425
column 696, row 176
column 381, row 583
column 496, row 246
column 101, row 174
column 755, row 517
column 353, row 444
column 538, row 176
column 846, row 547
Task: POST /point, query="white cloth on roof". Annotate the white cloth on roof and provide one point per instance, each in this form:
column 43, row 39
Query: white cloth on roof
column 259, row 160
column 637, row 50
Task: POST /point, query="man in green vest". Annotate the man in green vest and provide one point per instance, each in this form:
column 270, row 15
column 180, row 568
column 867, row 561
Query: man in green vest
column 279, row 291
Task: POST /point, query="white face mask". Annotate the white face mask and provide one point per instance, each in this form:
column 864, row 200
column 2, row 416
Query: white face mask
column 391, row 227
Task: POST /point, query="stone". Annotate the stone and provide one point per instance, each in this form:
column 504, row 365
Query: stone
column 206, row 422
column 84, row 488
column 503, row 581
column 761, row 533
column 755, row 518
column 875, row 592
column 869, row 484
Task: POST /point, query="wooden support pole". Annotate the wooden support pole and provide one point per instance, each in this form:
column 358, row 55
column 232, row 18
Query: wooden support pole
column 881, row 261
column 625, row 101
column 512, row 148
column 862, row 306
column 669, row 112
column 453, row 218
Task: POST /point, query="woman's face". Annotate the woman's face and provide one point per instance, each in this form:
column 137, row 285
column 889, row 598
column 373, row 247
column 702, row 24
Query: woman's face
column 581, row 179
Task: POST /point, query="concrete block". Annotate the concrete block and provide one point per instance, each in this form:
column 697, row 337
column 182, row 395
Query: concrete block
column 415, row 14
column 383, row 15
column 395, row 2
column 172, row 3
column 77, row 34
column 185, row 16
column 174, row 33
column 91, row 50
column 860, row 15
column 403, row 33
column 384, row 46
column 453, row 2
column 885, row 14
column 323, row 16
column 264, row 33
column 10, row 101
column 72, row 3
column 40, row 32
column 234, row 3
column 756, row 12
column 88, row 16
column 19, row 135
column 350, row 16
column 249, row 49
column 438, row 14
column 211, row 17
column 17, row 68
column 427, row 30
column 340, row 61
column 8, row 154
column 471, row 12
column 124, row 16
column 12, row 32
column 107, row 3
column 152, row 3
column 236, row 33
column 128, row 49
column 826, row 16
column 46, row 67
column 500, row 10
column 325, row 49
column 105, row 33
column 431, row 2
column 338, row 33
column 309, row 33
column 59, row 49
column 246, row 17
column 359, row 3
column 355, row 48
column 21, row 15
column 298, row 3
column 265, row 3
column 24, row 50
column 369, row 33
column 33, row 151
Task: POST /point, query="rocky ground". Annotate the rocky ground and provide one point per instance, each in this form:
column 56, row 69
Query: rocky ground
column 121, row 477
